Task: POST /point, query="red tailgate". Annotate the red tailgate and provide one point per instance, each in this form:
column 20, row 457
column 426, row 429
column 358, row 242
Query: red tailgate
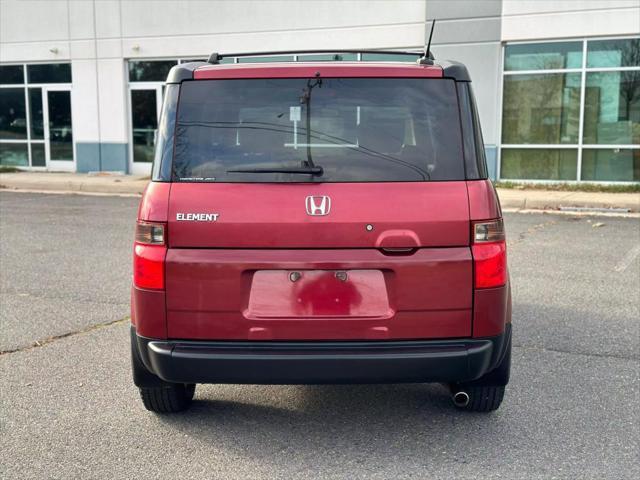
column 387, row 261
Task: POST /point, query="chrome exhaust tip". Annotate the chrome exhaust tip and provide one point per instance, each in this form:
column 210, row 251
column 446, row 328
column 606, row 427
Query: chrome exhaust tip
column 460, row 399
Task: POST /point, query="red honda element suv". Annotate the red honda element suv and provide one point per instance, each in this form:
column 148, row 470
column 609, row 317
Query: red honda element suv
column 320, row 222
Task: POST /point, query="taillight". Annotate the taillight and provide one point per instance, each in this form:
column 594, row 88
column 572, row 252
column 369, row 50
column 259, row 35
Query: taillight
column 148, row 255
column 150, row 233
column 489, row 254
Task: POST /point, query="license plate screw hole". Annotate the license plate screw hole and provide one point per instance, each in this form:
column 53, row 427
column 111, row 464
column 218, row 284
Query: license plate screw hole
column 295, row 276
column 342, row 276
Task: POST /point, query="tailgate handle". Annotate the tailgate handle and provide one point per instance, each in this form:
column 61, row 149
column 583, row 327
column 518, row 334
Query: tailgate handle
column 398, row 250
column 398, row 241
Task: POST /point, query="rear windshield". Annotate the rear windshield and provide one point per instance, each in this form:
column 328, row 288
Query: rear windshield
column 318, row 130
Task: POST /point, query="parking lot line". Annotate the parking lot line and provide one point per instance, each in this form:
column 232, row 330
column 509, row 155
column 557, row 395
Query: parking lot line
column 628, row 259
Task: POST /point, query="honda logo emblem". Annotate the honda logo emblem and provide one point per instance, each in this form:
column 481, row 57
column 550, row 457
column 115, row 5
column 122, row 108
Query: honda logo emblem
column 318, row 206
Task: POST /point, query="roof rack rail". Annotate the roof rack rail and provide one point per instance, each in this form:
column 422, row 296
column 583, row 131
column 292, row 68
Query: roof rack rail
column 425, row 57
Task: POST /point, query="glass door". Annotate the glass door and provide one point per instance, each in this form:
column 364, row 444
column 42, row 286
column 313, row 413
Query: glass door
column 58, row 131
column 146, row 103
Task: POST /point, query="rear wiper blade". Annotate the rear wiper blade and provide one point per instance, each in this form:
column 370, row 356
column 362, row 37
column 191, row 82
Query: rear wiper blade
column 315, row 170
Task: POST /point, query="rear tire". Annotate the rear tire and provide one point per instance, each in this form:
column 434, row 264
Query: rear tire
column 171, row 398
column 484, row 399
column 487, row 392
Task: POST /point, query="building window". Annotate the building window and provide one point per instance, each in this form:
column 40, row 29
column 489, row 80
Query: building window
column 336, row 57
column 543, row 56
column 13, row 122
column 571, row 111
column 49, row 73
column 35, row 115
column 613, row 53
column 541, row 109
column 150, row 71
column 146, row 89
column 539, row 164
column 612, row 108
column 144, row 123
column 11, row 74
column 269, row 59
column 610, row 164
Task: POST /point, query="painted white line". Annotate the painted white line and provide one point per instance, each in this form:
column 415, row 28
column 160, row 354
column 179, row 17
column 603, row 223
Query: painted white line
column 628, row 259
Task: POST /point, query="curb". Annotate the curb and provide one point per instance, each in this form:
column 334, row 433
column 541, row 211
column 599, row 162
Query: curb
column 556, row 200
column 68, row 192
column 77, row 189
column 51, row 182
column 534, row 204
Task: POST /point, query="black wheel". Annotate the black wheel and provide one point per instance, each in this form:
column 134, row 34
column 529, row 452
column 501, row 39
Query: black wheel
column 484, row 399
column 486, row 393
column 170, row 398
column 157, row 395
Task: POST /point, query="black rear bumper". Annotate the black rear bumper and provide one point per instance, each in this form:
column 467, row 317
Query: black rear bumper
column 320, row 362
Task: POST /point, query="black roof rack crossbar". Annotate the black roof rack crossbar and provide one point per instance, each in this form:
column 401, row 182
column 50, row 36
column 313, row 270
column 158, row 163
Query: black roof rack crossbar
column 215, row 57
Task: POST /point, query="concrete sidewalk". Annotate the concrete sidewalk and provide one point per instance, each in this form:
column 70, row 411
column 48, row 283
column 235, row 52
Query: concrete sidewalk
column 556, row 200
column 134, row 185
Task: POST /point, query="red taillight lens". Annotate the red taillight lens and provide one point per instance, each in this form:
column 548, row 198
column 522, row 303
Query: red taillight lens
column 490, row 264
column 489, row 254
column 148, row 256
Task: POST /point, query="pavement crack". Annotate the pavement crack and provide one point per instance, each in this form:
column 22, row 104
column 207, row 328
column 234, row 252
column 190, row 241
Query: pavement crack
column 537, row 348
column 54, row 338
column 6, row 291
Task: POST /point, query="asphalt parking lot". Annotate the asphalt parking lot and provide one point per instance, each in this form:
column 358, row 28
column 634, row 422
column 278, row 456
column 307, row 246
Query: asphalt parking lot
column 69, row 409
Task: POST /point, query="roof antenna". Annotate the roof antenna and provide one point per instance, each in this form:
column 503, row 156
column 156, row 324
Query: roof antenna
column 427, row 58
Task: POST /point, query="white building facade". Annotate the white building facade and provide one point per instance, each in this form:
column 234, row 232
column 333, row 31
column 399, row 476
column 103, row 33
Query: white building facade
column 557, row 82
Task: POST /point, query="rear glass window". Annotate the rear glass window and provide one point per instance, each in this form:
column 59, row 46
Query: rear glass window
column 324, row 129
